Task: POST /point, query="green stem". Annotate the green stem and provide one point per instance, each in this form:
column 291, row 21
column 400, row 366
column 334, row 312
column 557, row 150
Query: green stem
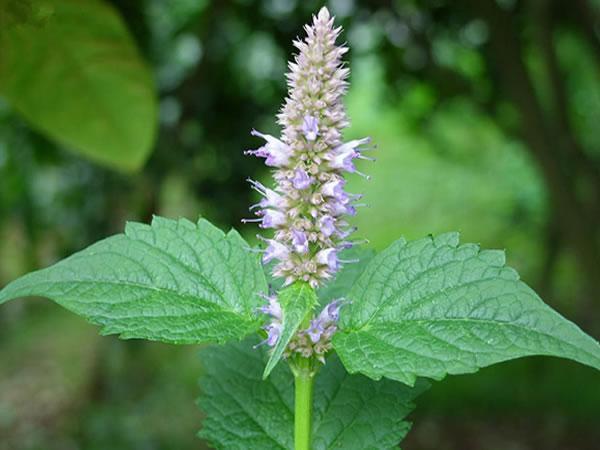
column 303, row 407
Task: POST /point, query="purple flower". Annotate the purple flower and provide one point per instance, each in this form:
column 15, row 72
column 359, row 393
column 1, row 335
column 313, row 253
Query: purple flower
column 339, row 208
column 273, row 308
column 329, row 258
column 344, row 154
column 299, row 241
column 273, row 333
column 275, row 250
column 271, row 198
column 327, row 225
column 276, row 152
column 274, row 327
column 307, row 204
column 334, row 188
column 309, row 159
column 272, row 218
column 315, row 330
column 331, row 312
column 323, row 326
column 310, row 128
column 301, row 179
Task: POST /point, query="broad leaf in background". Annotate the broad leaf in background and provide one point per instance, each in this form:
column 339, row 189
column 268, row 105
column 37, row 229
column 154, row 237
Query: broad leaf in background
column 172, row 281
column 78, row 77
column 351, row 412
column 296, row 302
column 433, row 307
column 355, row 413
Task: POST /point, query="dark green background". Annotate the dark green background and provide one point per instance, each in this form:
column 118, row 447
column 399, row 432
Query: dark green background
column 486, row 116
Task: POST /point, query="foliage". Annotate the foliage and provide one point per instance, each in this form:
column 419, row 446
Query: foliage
column 172, row 281
column 351, row 411
column 90, row 91
column 424, row 308
column 432, row 307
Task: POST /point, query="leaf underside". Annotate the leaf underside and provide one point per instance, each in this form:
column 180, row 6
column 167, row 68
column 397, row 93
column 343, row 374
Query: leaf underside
column 296, row 302
column 78, row 77
column 432, row 307
column 172, row 281
column 351, row 412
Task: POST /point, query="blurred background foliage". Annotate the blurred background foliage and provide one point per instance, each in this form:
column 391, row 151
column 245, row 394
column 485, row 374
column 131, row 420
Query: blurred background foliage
column 485, row 113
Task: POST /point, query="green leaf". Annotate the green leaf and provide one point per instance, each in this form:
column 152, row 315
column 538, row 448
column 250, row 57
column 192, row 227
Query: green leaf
column 77, row 76
column 351, row 412
column 243, row 411
column 172, row 281
column 296, row 301
column 433, row 307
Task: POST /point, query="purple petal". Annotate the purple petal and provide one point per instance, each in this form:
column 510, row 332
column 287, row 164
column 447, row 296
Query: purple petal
column 299, row 241
column 273, row 219
column 328, row 257
column 301, row 179
column 327, row 225
column 275, row 250
column 310, row 128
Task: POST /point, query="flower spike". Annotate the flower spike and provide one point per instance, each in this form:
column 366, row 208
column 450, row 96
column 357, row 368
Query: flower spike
column 306, row 206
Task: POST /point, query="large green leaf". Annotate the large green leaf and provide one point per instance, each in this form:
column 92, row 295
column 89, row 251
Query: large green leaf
column 172, row 281
column 351, row 412
column 296, row 301
column 78, row 77
column 433, row 307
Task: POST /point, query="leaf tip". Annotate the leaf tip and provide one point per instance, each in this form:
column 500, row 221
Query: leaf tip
column 268, row 369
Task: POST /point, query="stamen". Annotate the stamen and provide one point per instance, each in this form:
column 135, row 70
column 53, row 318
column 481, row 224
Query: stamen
column 350, row 244
column 260, row 344
column 254, row 250
column 349, row 261
column 370, row 148
column 345, row 233
column 258, row 187
column 364, row 175
column 367, row 158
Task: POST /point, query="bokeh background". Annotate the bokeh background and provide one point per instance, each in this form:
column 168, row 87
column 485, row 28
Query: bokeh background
column 486, row 114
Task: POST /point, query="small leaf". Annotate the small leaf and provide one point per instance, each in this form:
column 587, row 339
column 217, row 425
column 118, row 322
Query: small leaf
column 296, row 302
column 173, row 281
column 351, row 412
column 71, row 69
column 433, row 307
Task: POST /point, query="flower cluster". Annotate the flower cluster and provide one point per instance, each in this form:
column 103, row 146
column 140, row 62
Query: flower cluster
column 307, row 206
column 312, row 341
column 316, row 339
